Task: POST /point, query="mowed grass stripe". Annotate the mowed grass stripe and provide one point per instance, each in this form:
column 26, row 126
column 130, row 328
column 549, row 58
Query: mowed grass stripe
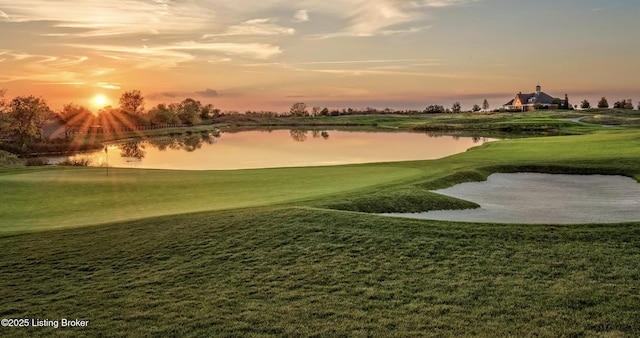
column 45, row 199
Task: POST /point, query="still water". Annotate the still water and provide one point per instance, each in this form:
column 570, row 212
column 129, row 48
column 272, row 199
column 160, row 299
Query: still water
column 276, row 148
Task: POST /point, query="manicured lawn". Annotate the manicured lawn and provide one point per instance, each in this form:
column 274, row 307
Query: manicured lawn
column 41, row 199
column 257, row 252
column 301, row 272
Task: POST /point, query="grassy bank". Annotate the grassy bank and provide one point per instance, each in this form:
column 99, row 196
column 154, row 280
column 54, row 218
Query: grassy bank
column 257, row 252
column 301, row 272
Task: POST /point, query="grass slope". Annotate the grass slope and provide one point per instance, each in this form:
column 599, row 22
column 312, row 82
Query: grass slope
column 302, row 272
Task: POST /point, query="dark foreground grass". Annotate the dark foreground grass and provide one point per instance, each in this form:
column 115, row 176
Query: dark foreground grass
column 297, row 271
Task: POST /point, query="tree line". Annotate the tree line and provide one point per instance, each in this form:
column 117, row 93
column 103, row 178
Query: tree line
column 23, row 118
column 604, row 104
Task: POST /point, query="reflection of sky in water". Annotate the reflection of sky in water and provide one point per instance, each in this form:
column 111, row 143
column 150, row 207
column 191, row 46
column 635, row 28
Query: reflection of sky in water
column 277, row 148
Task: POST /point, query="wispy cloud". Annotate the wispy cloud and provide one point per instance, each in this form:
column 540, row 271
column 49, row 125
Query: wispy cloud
column 255, row 27
column 42, row 68
column 105, row 85
column 391, row 67
column 367, row 18
column 208, row 93
column 167, row 56
column 301, row 16
column 113, row 17
column 203, row 94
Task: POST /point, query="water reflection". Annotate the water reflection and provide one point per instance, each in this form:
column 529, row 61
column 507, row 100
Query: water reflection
column 133, row 150
column 300, row 135
column 136, row 150
column 277, row 148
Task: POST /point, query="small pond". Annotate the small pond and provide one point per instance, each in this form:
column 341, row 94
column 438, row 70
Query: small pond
column 275, row 148
column 543, row 199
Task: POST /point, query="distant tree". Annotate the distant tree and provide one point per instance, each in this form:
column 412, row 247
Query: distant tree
column 299, row 109
column 476, row 108
column 603, row 103
column 316, row 111
column 189, row 111
column 585, row 104
column 434, row 109
column 623, row 104
column 618, row 104
column 6, row 121
column 161, row 114
column 485, row 105
column 638, row 104
column 3, row 101
column 7, row 126
column 30, row 114
column 132, row 102
column 456, row 108
column 208, row 111
column 324, row 112
column 557, row 101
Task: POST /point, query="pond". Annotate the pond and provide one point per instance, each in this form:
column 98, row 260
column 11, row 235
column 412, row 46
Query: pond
column 276, row 148
column 543, row 199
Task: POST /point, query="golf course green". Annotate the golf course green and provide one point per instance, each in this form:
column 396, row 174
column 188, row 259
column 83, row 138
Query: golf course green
column 296, row 252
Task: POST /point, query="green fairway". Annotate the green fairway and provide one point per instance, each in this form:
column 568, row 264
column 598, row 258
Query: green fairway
column 66, row 197
column 266, row 252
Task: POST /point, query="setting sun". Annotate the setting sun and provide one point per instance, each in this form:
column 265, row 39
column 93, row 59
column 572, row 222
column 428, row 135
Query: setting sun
column 100, row 100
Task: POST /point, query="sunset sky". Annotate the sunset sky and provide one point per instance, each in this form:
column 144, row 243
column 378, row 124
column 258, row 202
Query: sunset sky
column 265, row 55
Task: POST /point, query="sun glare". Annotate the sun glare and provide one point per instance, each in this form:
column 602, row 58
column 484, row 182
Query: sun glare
column 100, row 100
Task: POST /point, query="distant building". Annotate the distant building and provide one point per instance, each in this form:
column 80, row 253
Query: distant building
column 55, row 128
column 535, row 101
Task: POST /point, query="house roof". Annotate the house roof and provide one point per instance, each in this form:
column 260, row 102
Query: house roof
column 531, row 99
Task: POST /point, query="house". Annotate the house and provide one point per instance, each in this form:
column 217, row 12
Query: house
column 535, row 101
column 54, row 128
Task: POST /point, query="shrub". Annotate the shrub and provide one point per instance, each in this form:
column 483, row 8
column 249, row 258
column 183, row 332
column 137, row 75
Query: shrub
column 9, row 159
column 36, row 161
column 76, row 162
